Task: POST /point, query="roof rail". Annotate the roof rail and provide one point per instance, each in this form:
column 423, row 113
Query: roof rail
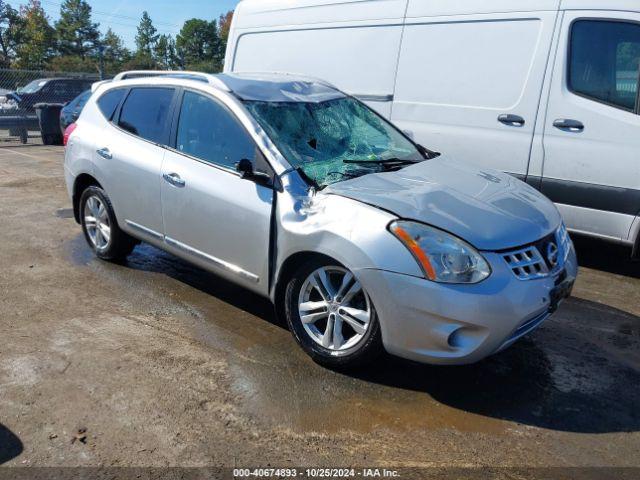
column 188, row 75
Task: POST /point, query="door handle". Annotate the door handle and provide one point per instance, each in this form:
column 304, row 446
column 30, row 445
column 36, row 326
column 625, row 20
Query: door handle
column 105, row 153
column 174, row 179
column 511, row 120
column 569, row 125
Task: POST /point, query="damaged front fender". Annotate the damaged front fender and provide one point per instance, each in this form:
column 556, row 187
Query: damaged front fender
column 352, row 233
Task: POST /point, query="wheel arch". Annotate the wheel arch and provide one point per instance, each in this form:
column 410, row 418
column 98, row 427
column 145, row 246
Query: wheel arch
column 286, row 271
column 81, row 183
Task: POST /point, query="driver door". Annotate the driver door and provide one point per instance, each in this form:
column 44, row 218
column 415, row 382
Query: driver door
column 212, row 216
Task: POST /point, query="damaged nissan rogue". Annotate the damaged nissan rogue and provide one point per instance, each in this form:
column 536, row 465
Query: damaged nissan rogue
column 362, row 239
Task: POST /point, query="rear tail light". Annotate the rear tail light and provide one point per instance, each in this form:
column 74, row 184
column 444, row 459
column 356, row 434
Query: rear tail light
column 68, row 132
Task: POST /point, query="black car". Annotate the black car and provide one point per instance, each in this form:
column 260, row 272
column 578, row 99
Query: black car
column 48, row 90
column 73, row 109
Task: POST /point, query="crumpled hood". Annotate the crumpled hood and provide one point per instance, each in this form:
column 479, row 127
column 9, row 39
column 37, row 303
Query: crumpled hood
column 489, row 209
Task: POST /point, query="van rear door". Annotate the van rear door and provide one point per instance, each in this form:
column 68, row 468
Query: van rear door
column 469, row 84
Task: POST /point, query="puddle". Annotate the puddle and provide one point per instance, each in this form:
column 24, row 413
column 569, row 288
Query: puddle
column 547, row 380
column 299, row 395
column 64, row 213
column 77, row 251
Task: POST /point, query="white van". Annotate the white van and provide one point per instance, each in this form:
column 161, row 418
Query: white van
column 546, row 90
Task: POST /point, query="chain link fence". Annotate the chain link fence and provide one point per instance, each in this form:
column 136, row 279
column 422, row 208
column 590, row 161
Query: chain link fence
column 30, row 102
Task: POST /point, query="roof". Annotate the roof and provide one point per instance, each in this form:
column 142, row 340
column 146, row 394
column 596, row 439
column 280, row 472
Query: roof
column 275, row 87
column 268, row 87
column 251, row 14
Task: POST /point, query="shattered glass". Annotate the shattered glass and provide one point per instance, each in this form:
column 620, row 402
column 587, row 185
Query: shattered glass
column 318, row 137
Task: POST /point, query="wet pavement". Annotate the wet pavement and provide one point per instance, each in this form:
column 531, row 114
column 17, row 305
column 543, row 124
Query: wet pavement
column 165, row 364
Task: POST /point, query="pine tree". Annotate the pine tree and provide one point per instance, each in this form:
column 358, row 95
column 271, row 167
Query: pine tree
column 114, row 53
column 38, row 36
column 77, row 34
column 198, row 45
column 147, row 36
column 165, row 52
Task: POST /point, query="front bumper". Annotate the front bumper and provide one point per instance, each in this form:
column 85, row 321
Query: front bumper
column 459, row 324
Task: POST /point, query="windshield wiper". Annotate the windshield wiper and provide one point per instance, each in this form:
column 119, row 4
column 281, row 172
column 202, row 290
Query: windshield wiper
column 387, row 162
column 389, row 165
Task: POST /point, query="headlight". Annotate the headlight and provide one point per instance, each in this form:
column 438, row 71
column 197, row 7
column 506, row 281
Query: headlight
column 442, row 257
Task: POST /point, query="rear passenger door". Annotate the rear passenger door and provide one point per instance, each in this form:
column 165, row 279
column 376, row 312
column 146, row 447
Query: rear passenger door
column 211, row 215
column 130, row 154
column 592, row 127
column 469, row 85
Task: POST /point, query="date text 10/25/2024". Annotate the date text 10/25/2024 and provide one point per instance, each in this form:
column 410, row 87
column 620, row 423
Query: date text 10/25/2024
column 315, row 473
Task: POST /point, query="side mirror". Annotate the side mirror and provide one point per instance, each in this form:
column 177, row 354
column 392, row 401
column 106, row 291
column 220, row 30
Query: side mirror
column 245, row 168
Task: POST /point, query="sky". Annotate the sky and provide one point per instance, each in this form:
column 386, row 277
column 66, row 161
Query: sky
column 123, row 16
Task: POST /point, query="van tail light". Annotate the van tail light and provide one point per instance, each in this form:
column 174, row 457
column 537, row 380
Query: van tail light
column 67, row 133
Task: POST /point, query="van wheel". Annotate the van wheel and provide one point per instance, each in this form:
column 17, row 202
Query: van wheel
column 101, row 228
column 331, row 315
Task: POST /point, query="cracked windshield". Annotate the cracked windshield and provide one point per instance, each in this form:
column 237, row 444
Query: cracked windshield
column 333, row 140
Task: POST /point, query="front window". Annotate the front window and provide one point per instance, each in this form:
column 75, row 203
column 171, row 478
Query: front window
column 333, row 140
column 605, row 59
column 209, row 132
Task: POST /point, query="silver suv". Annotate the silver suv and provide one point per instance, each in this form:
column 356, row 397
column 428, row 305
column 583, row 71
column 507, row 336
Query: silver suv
column 285, row 185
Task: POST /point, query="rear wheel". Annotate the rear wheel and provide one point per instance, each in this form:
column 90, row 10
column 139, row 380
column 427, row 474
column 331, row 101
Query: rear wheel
column 331, row 315
column 101, row 228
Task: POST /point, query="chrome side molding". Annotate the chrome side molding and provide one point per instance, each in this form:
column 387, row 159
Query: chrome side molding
column 144, row 230
column 216, row 262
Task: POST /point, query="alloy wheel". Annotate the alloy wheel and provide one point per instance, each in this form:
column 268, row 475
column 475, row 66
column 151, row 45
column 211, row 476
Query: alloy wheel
column 334, row 308
column 96, row 221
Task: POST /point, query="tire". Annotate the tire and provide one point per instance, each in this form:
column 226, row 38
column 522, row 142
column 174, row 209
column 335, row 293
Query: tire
column 103, row 236
column 359, row 340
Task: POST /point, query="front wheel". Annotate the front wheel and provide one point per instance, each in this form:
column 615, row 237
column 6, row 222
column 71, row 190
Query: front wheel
column 101, row 228
column 331, row 315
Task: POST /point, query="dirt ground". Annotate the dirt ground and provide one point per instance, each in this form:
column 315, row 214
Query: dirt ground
column 164, row 364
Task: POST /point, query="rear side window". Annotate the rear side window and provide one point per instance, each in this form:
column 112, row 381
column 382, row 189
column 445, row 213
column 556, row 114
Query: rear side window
column 208, row 131
column 82, row 99
column 145, row 113
column 108, row 102
column 604, row 62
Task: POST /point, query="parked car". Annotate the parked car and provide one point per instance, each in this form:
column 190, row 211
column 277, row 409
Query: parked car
column 546, row 90
column 71, row 111
column 289, row 187
column 47, row 90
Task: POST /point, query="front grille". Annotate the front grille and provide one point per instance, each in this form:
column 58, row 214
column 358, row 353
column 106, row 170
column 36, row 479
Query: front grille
column 540, row 259
column 527, row 263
